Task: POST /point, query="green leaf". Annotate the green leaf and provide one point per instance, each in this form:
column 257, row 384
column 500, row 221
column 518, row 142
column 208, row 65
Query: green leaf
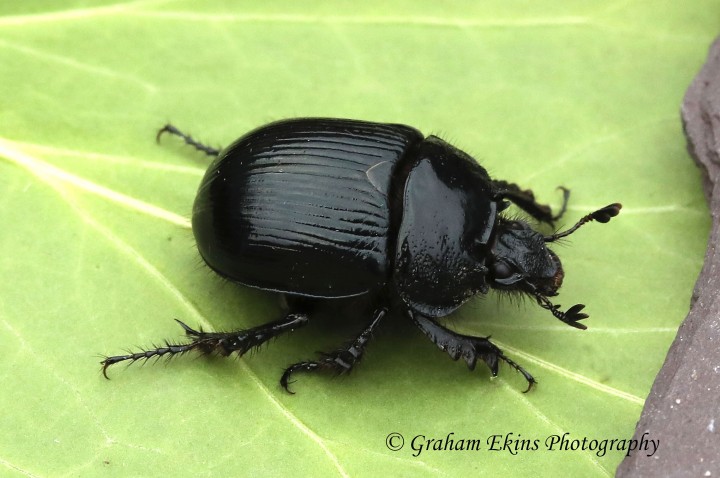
column 98, row 255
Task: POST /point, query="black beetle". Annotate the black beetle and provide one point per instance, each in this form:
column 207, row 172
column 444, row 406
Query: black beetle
column 325, row 209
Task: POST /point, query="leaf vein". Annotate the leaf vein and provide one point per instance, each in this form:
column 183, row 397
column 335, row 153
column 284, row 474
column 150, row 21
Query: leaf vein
column 47, row 171
column 573, row 375
column 160, row 277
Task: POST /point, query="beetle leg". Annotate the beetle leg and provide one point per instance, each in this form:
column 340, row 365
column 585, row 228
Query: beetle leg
column 525, row 200
column 223, row 343
column 168, row 128
column 468, row 347
column 341, row 360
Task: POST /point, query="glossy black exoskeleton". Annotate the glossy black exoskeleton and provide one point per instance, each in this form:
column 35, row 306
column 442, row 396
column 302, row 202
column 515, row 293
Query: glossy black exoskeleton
column 330, row 208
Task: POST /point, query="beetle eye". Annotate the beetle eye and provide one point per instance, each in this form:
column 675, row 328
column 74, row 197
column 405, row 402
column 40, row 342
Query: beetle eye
column 501, row 270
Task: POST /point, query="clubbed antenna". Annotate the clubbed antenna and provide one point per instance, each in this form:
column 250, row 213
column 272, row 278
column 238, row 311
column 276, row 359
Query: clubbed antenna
column 572, row 316
column 601, row 215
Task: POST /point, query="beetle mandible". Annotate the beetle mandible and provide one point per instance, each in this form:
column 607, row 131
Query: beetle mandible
column 321, row 209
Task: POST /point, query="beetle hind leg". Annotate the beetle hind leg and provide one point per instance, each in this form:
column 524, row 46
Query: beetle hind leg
column 525, row 200
column 168, row 128
column 340, row 361
column 222, row 343
column 470, row 348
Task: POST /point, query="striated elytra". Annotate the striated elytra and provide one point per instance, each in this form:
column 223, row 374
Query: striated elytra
column 321, row 209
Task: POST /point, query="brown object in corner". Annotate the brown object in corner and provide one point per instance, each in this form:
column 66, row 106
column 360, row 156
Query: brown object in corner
column 683, row 408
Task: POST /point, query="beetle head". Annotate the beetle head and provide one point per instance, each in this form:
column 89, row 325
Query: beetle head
column 521, row 262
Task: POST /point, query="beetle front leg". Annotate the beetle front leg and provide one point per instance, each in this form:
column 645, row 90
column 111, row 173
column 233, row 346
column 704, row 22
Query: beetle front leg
column 341, row 360
column 525, row 200
column 222, row 343
column 468, row 347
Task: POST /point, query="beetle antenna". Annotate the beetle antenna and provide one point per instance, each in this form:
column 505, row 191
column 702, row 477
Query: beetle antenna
column 571, row 317
column 601, row 215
